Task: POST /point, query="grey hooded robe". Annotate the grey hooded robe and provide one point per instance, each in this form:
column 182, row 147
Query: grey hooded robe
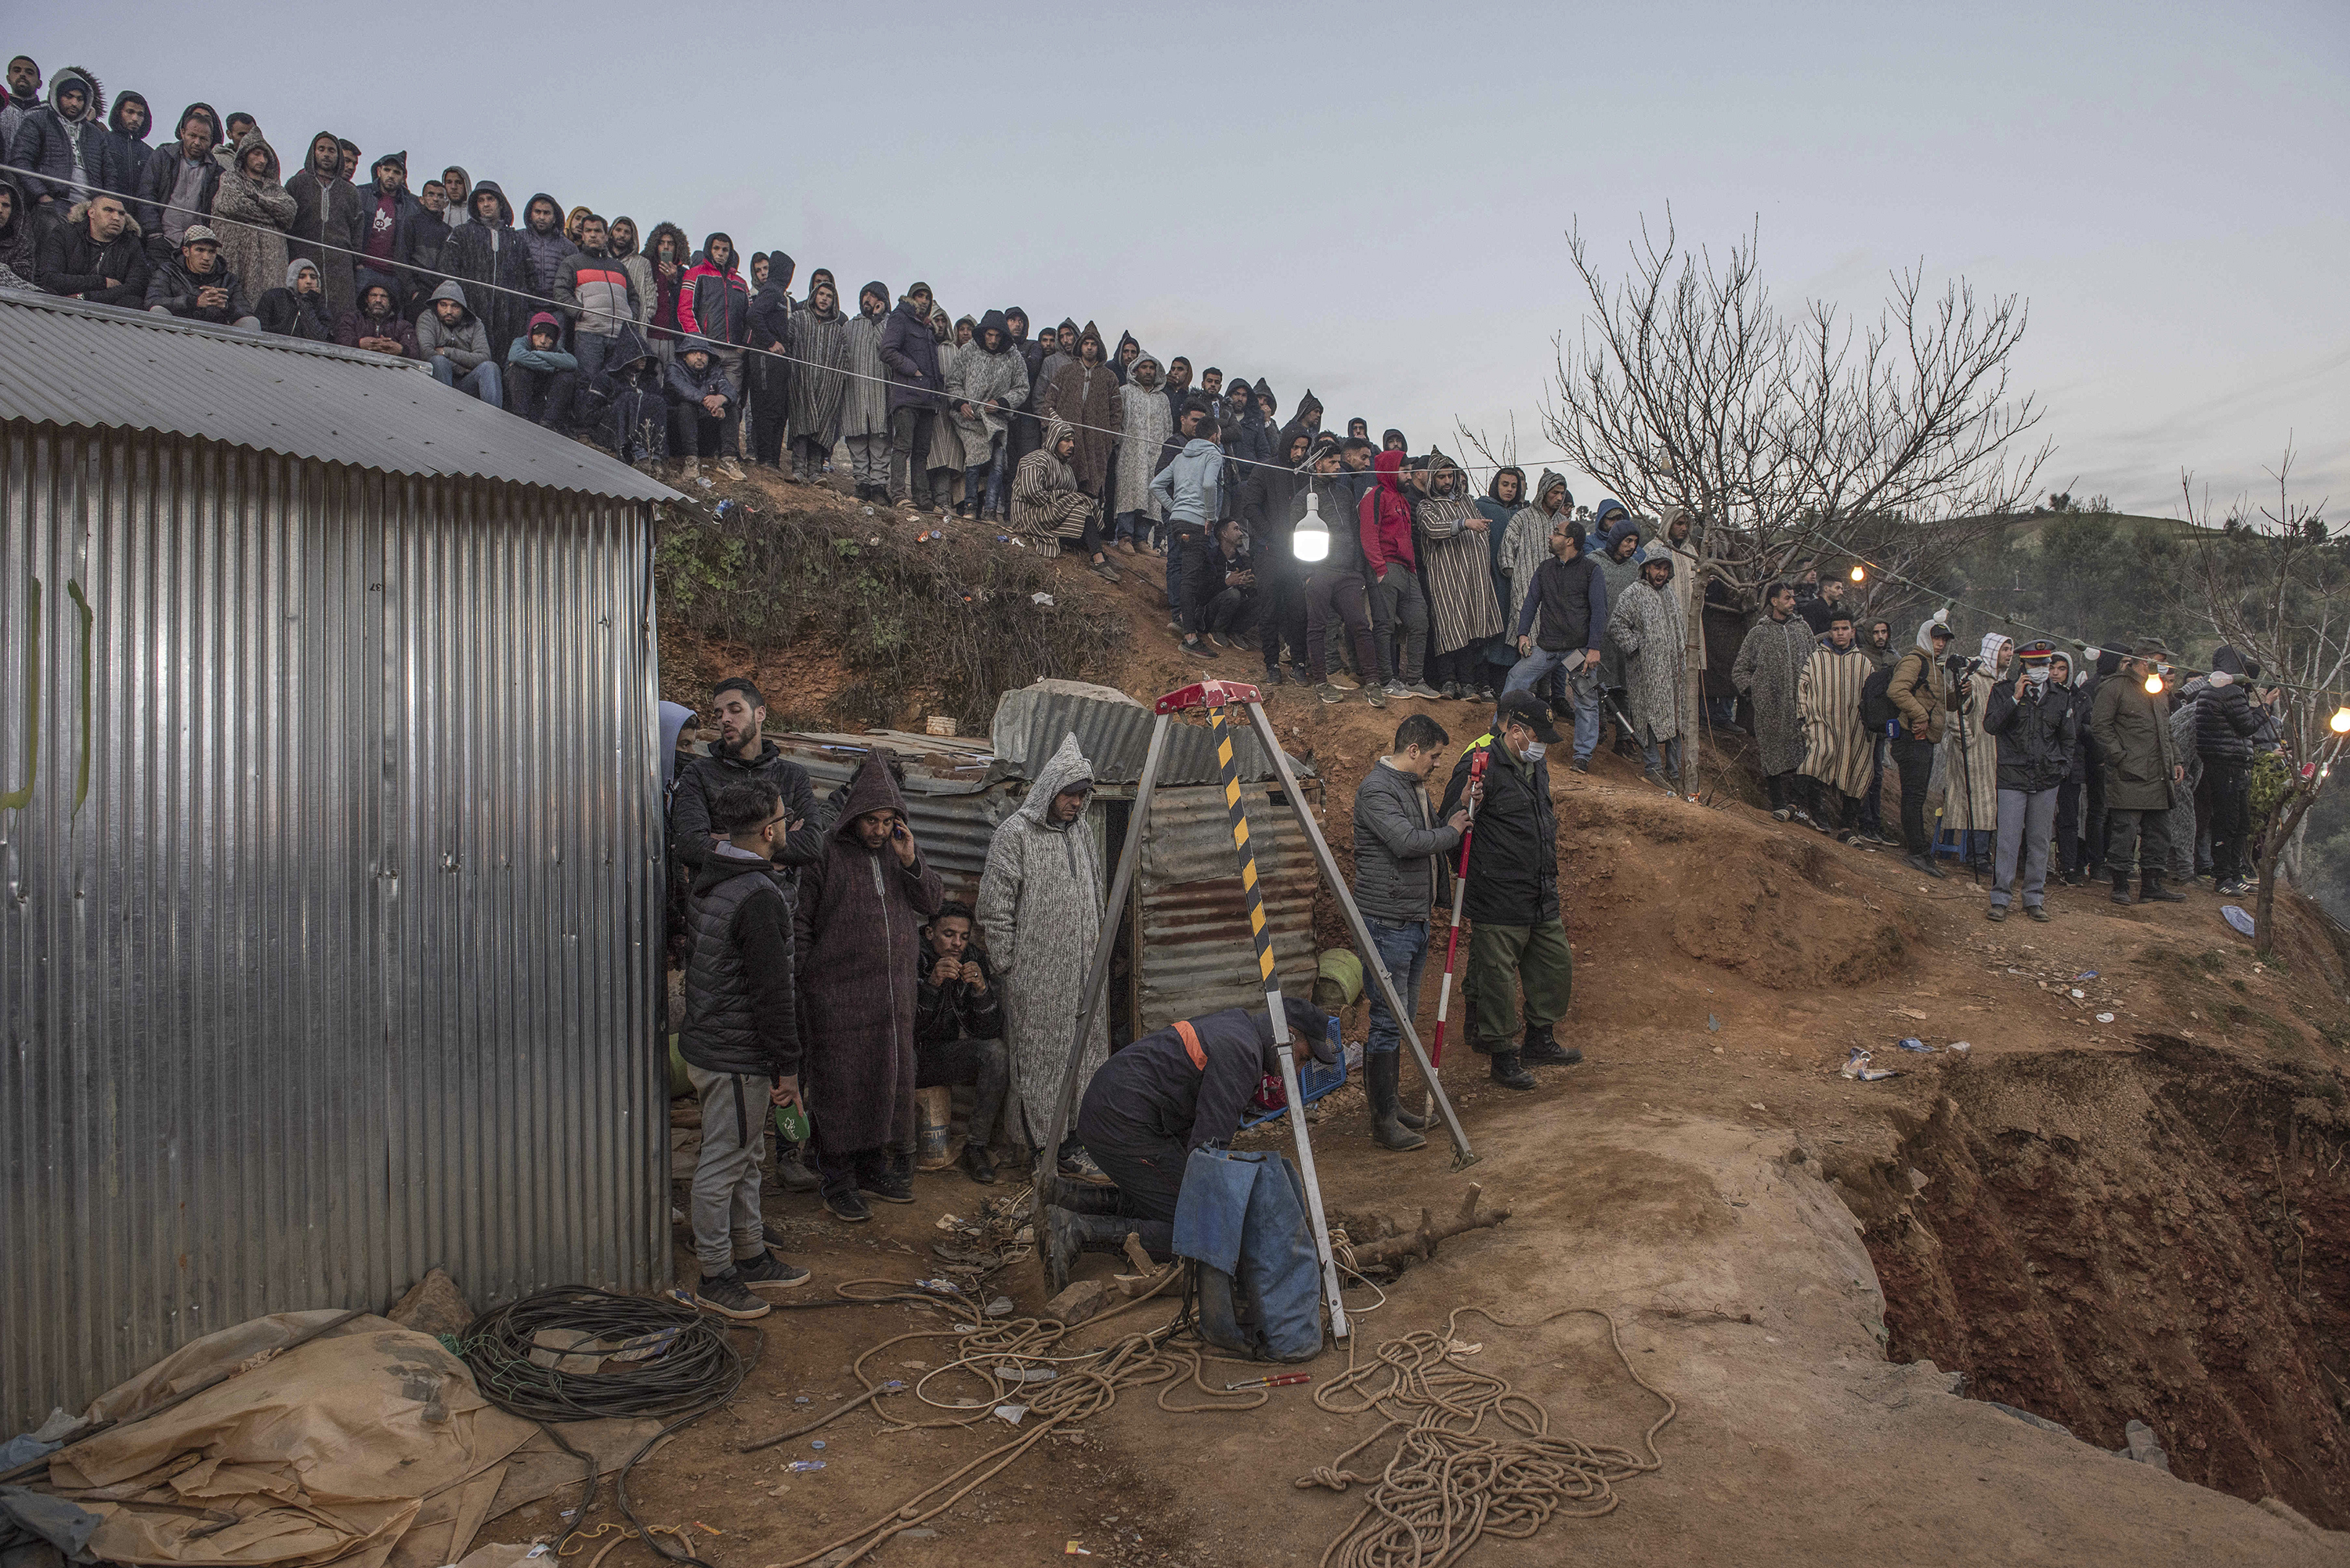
column 1040, row 907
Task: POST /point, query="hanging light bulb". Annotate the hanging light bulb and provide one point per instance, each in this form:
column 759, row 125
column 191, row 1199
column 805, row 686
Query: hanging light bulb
column 1311, row 542
column 2154, row 683
column 1859, row 573
column 2340, row 722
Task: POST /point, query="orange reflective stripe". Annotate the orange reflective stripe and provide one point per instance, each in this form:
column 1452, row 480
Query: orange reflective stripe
column 1191, row 1037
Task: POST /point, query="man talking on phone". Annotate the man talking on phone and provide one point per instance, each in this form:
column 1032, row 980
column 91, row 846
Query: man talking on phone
column 740, row 1042
column 856, row 948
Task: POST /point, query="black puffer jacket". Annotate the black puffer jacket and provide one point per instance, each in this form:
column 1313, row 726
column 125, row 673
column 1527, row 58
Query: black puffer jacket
column 2037, row 736
column 2225, row 719
column 1513, row 847
column 71, row 263
column 741, row 1012
column 699, row 784
column 946, row 1013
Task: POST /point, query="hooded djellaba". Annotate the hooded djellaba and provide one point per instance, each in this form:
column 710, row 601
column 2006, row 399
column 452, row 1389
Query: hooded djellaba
column 1455, row 563
column 1970, row 767
column 865, row 402
column 818, row 334
column 992, row 382
column 18, row 266
column 1040, row 906
column 326, row 227
column 1148, row 423
column 1525, row 544
column 858, row 950
column 1088, row 398
column 259, row 211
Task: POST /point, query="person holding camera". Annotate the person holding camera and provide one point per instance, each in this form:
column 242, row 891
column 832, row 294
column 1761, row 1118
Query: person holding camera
column 2032, row 720
column 2142, row 770
column 1920, row 689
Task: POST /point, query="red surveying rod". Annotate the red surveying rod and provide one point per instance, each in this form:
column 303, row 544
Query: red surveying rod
column 1459, row 892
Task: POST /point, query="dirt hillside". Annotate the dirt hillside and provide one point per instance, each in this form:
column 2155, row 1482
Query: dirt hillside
column 1906, row 1321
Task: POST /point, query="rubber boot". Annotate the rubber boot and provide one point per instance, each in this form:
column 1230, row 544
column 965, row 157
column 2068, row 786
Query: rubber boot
column 2121, row 887
column 1539, row 1050
column 1508, row 1074
column 2150, row 890
column 1069, row 1236
column 1381, row 1072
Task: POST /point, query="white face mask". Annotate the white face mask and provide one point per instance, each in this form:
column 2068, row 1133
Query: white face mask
column 1534, row 749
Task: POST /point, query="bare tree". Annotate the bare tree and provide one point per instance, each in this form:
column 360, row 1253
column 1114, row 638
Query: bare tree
column 2271, row 584
column 1793, row 436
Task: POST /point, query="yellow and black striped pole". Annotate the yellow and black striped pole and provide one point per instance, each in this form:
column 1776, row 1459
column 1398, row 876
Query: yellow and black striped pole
column 1252, row 893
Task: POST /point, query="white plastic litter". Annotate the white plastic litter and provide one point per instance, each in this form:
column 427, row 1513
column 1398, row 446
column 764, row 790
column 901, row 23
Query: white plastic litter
column 1042, row 601
column 2105, row 1018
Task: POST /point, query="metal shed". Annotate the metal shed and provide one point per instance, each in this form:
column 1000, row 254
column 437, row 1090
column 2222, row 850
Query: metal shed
column 329, row 830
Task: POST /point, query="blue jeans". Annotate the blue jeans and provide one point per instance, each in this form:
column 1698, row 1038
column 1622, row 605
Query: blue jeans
column 1132, row 527
column 983, row 483
column 1403, row 947
column 1581, row 692
column 1670, row 762
column 481, row 380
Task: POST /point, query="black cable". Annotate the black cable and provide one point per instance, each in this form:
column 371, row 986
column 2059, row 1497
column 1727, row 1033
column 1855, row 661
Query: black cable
column 696, row 1371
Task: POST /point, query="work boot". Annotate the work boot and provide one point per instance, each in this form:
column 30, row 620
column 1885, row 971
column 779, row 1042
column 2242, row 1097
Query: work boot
column 2150, row 890
column 1086, row 1197
column 1508, row 1074
column 2121, row 887
column 1382, row 1070
column 1540, row 1050
column 1069, row 1236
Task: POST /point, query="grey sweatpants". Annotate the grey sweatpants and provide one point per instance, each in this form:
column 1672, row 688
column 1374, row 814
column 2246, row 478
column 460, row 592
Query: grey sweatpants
column 2025, row 822
column 727, row 1224
column 869, row 460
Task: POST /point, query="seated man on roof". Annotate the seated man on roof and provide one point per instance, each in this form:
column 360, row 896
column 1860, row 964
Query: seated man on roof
column 195, row 286
column 1186, row 1087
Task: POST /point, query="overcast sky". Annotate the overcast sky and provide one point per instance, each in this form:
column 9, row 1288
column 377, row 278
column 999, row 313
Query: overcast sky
column 1371, row 200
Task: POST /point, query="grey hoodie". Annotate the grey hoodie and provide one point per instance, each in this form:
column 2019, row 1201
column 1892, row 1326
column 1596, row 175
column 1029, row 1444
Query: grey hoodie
column 465, row 345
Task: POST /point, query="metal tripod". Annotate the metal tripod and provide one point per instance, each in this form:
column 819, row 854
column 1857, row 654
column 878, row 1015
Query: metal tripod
column 1218, row 696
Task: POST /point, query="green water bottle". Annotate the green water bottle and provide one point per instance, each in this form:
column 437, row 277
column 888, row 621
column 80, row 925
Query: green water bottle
column 791, row 1124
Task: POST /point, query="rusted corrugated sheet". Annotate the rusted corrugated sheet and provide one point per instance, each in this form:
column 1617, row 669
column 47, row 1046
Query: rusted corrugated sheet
column 330, row 846
column 1196, row 954
column 1115, row 734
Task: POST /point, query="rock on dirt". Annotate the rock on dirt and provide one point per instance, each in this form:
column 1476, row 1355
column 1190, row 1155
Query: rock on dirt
column 433, row 1305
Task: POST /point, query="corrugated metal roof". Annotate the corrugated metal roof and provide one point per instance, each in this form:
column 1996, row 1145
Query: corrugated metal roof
column 104, row 367
column 1114, row 731
column 1196, row 954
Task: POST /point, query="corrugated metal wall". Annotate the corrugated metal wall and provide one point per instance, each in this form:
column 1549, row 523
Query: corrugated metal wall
column 329, row 848
column 1196, row 954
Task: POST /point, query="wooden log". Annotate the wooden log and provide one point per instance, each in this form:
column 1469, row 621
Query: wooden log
column 1421, row 1241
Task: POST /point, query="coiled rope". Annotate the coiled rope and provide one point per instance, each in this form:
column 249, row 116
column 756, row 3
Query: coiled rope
column 1452, row 1480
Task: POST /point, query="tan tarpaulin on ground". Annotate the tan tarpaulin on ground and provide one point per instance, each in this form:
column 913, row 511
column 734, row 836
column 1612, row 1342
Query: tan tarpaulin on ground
column 368, row 1447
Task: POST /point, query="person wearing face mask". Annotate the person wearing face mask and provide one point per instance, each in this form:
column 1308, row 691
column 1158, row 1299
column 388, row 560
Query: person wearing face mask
column 1970, row 757
column 1516, row 941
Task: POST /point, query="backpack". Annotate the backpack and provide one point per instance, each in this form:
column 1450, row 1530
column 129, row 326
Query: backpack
column 1241, row 1220
column 1876, row 709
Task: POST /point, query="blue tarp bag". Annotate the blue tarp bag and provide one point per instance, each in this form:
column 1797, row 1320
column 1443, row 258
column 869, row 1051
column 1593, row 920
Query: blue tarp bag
column 1241, row 1220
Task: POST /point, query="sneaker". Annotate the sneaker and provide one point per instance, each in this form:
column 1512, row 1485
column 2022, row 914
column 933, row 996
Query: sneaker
column 1852, row 838
column 1200, row 647
column 1376, row 696
column 1338, row 679
column 2037, row 912
column 1422, row 689
column 1480, row 692
column 1580, row 765
column 692, row 469
column 1329, row 692
column 1273, row 676
column 729, row 467
column 1924, row 865
column 1451, row 692
column 728, row 1296
column 1996, row 913
column 1781, row 814
column 1107, row 572
column 1397, row 689
column 793, row 1176
column 767, row 1272
column 848, row 1206
column 1079, row 1166
column 977, row 1164
column 888, row 1186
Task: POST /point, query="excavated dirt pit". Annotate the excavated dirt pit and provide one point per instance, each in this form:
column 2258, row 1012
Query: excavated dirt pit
column 2160, row 1234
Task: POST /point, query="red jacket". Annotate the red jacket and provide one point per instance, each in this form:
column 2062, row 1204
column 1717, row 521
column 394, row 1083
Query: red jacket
column 714, row 304
column 1385, row 520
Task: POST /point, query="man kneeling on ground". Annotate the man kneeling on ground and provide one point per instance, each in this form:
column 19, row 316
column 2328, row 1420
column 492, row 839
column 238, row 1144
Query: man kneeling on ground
column 741, row 1043
column 1186, row 1087
column 959, row 1029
